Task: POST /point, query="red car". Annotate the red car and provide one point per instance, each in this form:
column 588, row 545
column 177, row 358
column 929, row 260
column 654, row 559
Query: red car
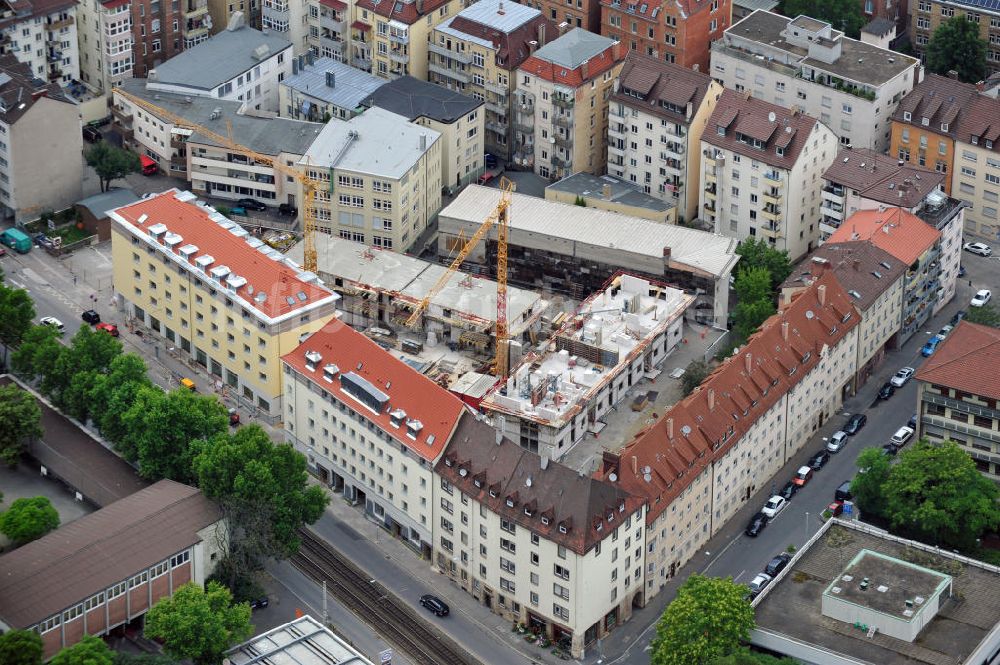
column 836, row 508
column 109, row 328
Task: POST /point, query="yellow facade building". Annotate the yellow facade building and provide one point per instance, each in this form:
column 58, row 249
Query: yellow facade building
column 399, row 33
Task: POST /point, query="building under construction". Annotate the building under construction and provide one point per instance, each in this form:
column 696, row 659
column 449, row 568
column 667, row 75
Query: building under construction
column 618, row 337
column 380, row 289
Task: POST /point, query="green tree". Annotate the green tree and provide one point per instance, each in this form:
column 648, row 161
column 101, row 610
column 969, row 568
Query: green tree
column 264, row 492
column 111, row 395
column 986, row 315
column 936, row 493
column 841, row 14
column 37, row 355
column 748, row 316
column 111, row 162
column 756, row 253
column 161, row 429
column 20, row 421
column 694, row 375
column 89, row 356
column 199, row 624
column 21, row 647
column 28, row 519
column 753, row 283
column 91, row 650
column 16, row 312
column 122, row 658
column 866, row 488
column 754, row 300
column 710, row 618
column 956, row 45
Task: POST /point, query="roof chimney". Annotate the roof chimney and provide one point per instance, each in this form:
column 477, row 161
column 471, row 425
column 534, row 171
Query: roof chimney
column 500, row 10
column 953, row 74
column 711, row 399
column 821, row 294
column 423, row 141
column 749, row 362
column 784, row 330
column 635, row 465
column 606, row 191
column 670, row 428
column 857, row 264
column 541, row 33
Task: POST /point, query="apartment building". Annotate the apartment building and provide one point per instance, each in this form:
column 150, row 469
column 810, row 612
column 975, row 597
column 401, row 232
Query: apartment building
column 107, row 55
column 42, row 34
column 873, row 278
column 613, row 194
column 321, row 89
column 401, row 33
column 975, row 178
column 535, row 541
column 478, row 52
column 926, row 16
column 862, row 179
column 925, row 124
column 957, row 395
column 39, row 127
column 384, row 176
column 222, row 13
column 371, row 427
column 676, row 32
column 619, row 336
column 458, row 118
column 218, row 295
column 567, row 83
column 699, row 464
column 320, row 27
column 213, row 169
column 761, row 172
column 584, row 14
column 247, row 66
column 109, row 567
column 917, row 245
column 656, row 116
column 851, row 86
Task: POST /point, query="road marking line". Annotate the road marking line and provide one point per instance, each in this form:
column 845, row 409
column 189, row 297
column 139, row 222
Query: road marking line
column 724, row 549
column 740, row 575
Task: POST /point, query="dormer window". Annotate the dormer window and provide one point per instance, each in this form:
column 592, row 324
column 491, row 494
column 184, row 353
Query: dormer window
column 527, row 511
column 493, row 493
column 510, row 502
column 621, row 507
column 448, row 462
column 806, row 356
column 925, row 121
column 599, row 527
column 611, row 516
column 563, row 527
column 720, row 130
column 477, row 482
column 545, row 520
column 975, row 140
column 989, row 144
column 907, row 116
column 944, row 126
column 779, row 151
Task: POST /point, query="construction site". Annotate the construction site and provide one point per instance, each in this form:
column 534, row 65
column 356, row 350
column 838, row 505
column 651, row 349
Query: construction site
column 617, row 338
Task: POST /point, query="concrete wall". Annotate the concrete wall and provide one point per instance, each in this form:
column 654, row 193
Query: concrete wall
column 975, row 180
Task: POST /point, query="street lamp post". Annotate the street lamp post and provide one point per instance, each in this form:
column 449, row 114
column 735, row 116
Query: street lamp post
column 807, row 526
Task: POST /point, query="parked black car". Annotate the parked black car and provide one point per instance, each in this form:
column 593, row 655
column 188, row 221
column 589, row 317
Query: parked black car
column 912, row 422
column 287, row 210
column 959, row 315
column 259, row 603
column 886, row 391
column 434, row 604
column 778, row 564
column 756, row 525
column 91, row 317
column 819, row 460
column 251, row 204
column 92, row 134
column 889, row 449
column 843, row 492
column 788, row 491
column 855, row 423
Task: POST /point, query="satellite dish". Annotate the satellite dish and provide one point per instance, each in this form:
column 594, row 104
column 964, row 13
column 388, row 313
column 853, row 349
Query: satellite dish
column 771, row 117
column 685, row 430
column 527, row 483
column 809, row 314
column 613, row 477
column 647, row 477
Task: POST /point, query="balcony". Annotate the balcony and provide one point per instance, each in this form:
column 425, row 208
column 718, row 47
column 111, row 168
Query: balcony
column 773, row 176
column 673, row 149
column 709, row 206
column 562, row 102
column 773, row 197
column 361, row 62
column 454, row 55
column 526, row 107
column 399, row 38
column 496, row 88
column 399, row 55
column 710, row 190
column 617, row 130
column 523, row 128
column 709, row 160
column 177, row 143
column 55, row 74
column 618, row 150
column 496, row 127
column 449, row 73
column 496, row 108
column 360, row 40
column 331, row 22
column 195, row 34
column 565, row 142
column 61, row 23
column 671, row 164
column 195, row 12
column 832, row 210
column 559, row 163
column 772, row 213
column 772, row 231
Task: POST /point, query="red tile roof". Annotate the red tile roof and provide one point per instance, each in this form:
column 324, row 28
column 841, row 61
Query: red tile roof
column 967, row 360
column 902, row 234
column 981, row 119
column 512, row 48
column 939, row 99
column 663, row 460
column 334, row 4
column 589, row 70
column 398, row 10
column 268, row 286
column 659, row 82
column 344, row 352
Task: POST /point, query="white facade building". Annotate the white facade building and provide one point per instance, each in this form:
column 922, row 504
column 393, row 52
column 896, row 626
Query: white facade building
column 44, row 37
column 106, row 43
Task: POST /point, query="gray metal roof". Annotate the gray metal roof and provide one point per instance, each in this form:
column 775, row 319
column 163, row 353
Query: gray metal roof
column 304, row 641
column 100, row 204
column 574, row 48
column 585, row 184
column 503, row 15
column 221, row 58
column 377, row 142
column 269, row 136
column 751, row 5
column 413, row 98
column 351, row 87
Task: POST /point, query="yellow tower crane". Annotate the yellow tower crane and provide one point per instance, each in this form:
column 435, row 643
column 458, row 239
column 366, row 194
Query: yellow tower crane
column 499, row 216
column 309, row 185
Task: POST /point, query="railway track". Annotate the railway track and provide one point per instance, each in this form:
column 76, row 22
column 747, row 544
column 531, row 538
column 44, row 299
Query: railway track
column 376, row 605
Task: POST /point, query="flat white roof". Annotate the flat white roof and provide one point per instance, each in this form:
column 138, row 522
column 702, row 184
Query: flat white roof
column 304, row 641
column 410, row 278
column 612, row 324
column 707, row 252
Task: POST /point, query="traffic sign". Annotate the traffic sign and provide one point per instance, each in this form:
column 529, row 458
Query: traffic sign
column 385, row 657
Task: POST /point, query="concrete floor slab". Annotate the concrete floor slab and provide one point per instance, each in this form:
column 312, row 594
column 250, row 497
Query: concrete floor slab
column 24, row 481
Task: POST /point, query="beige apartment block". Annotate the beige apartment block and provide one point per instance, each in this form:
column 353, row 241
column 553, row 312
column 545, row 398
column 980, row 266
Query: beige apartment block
column 851, row 86
column 106, row 57
column 976, row 173
column 219, row 296
column 400, row 33
column 708, row 454
column 383, row 179
column 43, row 35
column 762, row 168
column 40, row 164
column 535, row 541
column 656, row 117
column 478, row 52
column 567, row 82
column 926, row 16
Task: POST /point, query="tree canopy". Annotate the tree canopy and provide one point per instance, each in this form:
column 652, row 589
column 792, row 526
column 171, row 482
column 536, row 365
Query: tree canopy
column 111, row 162
column 20, row 421
column 21, row 647
column 866, row 488
column 843, row 15
column 36, row 357
column 16, row 312
column 28, row 519
column 710, row 618
column 199, row 624
column 754, row 300
column 756, row 253
column 986, row 315
column 110, row 395
column 91, row 650
column 956, row 45
column 695, row 373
